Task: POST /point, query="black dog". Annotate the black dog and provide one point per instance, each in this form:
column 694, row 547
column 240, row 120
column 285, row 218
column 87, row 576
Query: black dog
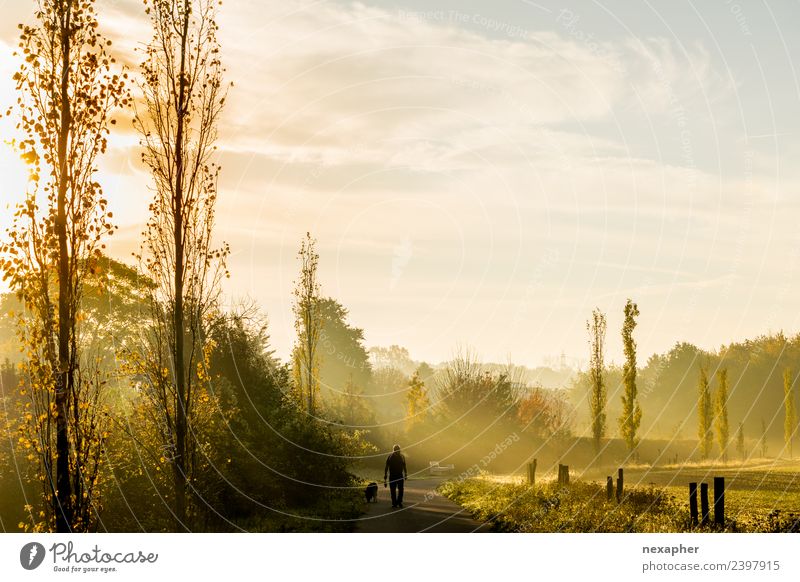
column 371, row 492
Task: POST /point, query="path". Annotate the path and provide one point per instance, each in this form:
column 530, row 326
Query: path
column 424, row 510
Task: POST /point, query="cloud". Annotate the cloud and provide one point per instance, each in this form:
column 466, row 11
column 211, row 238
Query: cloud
column 436, row 161
column 325, row 79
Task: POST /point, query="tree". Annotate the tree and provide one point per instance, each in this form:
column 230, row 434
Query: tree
column 425, row 372
column 763, row 439
column 277, row 457
column 596, row 327
column 184, row 95
column 243, row 357
column 631, row 416
column 350, row 407
column 721, row 416
column 394, row 356
column 790, row 412
column 545, row 413
column 740, row 441
column 388, row 388
column 343, row 357
column 308, row 325
column 68, row 93
column 417, row 402
column 471, row 395
column 704, row 414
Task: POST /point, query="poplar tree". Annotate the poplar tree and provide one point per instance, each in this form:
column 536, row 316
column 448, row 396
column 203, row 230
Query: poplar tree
column 704, row 414
column 721, row 416
column 596, row 327
column 631, row 417
column 308, row 325
column 183, row 95
column 740, row 441
column 68, row 92
column 790, row 412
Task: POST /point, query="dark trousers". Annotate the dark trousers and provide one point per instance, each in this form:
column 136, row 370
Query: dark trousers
column 396, row 488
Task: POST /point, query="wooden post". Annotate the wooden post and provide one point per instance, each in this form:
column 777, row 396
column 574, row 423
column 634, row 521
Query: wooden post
column 532, row 473
column 620, row 485
column 566, row 474
column 704, row 503
column 560, row 474
column 693, row 503
column 719, row 501
column 609, row 487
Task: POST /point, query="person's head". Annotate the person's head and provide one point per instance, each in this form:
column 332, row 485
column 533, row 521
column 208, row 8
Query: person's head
column 396, row 448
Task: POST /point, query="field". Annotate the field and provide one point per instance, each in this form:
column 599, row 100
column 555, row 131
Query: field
column 760, row 497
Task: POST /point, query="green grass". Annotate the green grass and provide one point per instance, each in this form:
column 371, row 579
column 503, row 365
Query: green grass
column 511, row 505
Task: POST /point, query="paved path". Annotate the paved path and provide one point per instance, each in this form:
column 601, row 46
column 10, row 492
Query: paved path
column 424, row 510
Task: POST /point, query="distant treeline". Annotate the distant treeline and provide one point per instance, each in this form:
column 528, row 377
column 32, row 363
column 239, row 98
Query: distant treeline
column 261, row 457
column 668, row 386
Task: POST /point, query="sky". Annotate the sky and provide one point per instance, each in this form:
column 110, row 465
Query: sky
column 485, row 174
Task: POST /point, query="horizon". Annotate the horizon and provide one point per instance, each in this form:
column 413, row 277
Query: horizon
column 547, row 161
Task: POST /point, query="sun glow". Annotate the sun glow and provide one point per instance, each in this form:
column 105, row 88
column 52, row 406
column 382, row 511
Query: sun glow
column 13, row 182
column 13, row 171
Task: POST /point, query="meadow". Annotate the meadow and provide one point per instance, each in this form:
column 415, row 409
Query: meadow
column 760, row 497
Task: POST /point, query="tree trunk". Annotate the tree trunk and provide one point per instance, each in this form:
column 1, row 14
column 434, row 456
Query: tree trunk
column 310, row 364
column 179, row 316
column 63, row 494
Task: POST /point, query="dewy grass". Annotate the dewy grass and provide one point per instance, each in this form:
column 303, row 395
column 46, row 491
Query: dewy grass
column 581, row 506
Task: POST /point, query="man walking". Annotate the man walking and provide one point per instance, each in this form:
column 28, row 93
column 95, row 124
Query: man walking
column 396, row 469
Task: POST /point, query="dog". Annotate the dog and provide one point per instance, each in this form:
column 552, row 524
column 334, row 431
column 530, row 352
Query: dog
column 371, row 492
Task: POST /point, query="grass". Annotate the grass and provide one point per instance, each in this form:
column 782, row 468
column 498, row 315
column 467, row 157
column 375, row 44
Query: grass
column 757, row 500
column 757, row 493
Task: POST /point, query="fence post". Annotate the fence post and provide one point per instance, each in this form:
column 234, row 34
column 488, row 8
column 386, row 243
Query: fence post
column 693, row 503
column 719, row 501
column 532, row 473
column 704, row 503
column 563, row 474
column 620, row 485
column 609, row 487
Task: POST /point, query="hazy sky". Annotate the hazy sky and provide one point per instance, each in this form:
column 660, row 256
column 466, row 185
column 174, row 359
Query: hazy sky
column 485, row 173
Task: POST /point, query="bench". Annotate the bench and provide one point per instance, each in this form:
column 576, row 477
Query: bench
column 434, row 468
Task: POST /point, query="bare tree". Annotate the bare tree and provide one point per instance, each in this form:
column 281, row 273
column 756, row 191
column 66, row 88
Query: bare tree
column 184, row 95
column 67, row 94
